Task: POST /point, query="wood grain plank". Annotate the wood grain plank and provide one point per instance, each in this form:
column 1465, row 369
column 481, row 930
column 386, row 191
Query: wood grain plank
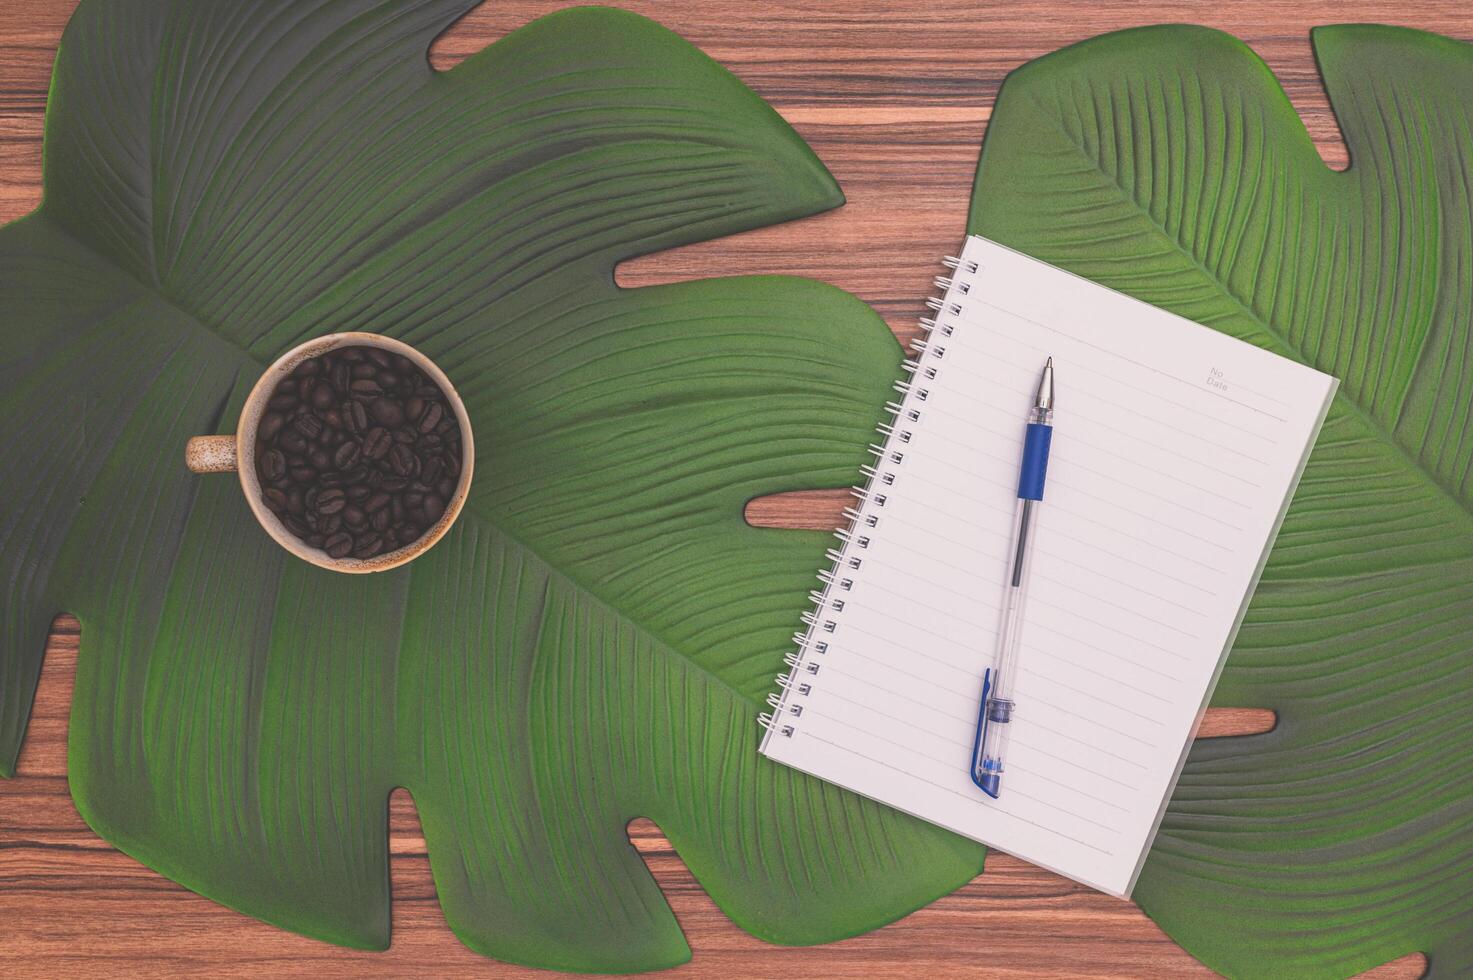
column 894, row 96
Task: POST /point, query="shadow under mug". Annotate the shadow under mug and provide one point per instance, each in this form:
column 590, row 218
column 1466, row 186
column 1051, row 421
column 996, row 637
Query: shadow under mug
column 236, row 453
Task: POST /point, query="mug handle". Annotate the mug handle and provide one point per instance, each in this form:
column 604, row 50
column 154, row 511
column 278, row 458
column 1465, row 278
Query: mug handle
column 210, row 454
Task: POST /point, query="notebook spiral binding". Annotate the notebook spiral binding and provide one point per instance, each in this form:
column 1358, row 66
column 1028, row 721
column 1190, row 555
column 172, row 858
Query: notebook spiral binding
column 811, row 645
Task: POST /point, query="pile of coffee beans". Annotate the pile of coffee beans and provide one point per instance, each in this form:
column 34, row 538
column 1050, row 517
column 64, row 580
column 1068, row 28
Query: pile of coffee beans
column 358, row 452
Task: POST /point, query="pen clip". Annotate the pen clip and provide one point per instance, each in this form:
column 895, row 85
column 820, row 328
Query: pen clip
column 986, row 783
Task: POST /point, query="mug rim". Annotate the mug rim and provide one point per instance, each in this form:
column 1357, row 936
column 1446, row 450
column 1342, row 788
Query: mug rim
column 253, row 409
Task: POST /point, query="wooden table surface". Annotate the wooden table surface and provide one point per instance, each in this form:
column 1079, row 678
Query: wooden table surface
column 894, row 96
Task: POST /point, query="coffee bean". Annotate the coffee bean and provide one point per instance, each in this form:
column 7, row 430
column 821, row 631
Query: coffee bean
column 376, row 442
column 413, row 499
column 433, row 413
column 301, row 473
column 272, row 465
column 364, row 370
column 414, row 408
column 366, row 387
column 406, row 434
column 271, row 424
column 342, row 377
column 354, row 517
column 433, row 506
column 338, row 545
column 320, row 459
column 386, row 412
column 309, row 368
column 322, row 397
column 310, row 426
column 275, row 500
column 367, row 545
column 283, row 402
column 332, row 418
column 296, row 500
column 380, row 357
column 331, row 501
column 292, row 441
column 402, row 458
column 295, row 525
column 347, row 455
column 431, row 472
column 380, row 520
column 358, row 492
column 329, row 523
column 355, row 417
column 445, row 488
column 315, row 540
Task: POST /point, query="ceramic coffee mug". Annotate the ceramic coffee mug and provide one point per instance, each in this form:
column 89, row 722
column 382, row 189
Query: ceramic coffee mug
column 225, row 454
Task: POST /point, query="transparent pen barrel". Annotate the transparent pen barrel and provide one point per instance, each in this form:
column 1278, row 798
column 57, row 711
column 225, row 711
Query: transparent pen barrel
column 998, row 709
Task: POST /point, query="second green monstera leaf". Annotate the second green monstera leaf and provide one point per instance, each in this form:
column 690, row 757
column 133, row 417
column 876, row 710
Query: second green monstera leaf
column 1167, row 162
column 591, row 641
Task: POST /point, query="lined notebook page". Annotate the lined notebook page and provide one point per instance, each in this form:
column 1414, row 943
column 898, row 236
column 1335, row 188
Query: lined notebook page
column 1175, row 453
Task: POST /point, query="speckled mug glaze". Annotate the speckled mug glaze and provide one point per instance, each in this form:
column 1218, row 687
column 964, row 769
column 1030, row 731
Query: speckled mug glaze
column 236, row 453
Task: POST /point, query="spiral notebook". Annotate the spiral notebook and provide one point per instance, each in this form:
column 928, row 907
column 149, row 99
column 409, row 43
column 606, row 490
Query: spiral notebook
column 1176, row 451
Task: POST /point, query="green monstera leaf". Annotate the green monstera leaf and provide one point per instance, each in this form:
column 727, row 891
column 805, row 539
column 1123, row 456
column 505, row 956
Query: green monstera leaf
column 591, row 642
column 1167, row 162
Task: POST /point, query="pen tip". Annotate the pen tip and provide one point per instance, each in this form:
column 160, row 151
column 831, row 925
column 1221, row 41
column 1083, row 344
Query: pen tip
column 1044, row 400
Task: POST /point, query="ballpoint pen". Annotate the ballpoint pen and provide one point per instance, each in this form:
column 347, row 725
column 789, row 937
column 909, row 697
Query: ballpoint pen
column 996, row 714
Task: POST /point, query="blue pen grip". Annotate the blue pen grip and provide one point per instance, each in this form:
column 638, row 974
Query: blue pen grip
column 1035, row 461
